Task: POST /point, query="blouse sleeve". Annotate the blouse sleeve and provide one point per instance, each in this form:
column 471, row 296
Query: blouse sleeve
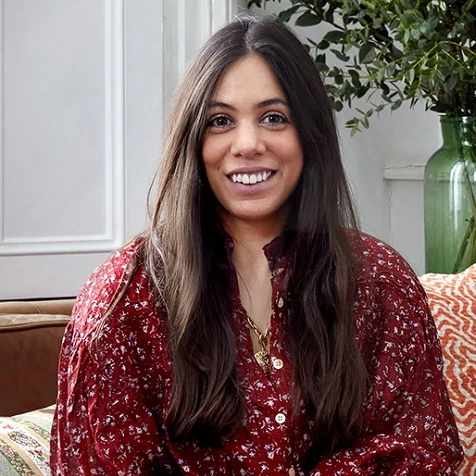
column 103, row 424
column 410, row 428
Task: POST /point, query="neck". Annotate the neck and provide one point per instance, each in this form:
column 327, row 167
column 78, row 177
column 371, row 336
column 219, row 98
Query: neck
column 249, row 240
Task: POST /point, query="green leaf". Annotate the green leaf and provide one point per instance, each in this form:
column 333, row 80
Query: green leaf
column 466, row 7
column 323, row 45
column 340, row 55
column 334, row 36
column 444, row 46
column 320, row 58
column 367, row 53
column 362, row 91
column 355, row 78
column 415, row 32
column 426, row 29
column 390, row 69
column 338, row 106
column 452, row 82
column 322, row 67
column 354, row 131
column 308, row 19
column 396, row 53
column 286, row 15
column 396, row 105
column 411, row 17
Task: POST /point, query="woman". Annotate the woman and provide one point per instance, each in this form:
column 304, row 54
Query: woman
column 253, row 329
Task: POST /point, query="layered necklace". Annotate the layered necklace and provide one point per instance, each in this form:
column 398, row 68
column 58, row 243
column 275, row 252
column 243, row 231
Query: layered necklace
column 262, row 356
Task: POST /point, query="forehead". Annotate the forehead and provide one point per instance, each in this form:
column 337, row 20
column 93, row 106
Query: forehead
column 248, row 79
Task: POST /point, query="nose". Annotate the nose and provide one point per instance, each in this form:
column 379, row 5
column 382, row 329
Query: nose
column 247, row 141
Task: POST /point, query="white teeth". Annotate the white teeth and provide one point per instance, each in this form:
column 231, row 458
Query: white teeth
column 250, row 179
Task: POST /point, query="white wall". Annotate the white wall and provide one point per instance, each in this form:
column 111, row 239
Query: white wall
column 148, row 43
column 390, row 208
column 84, row 89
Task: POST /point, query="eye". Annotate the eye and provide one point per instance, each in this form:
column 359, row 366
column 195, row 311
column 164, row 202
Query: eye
column 275, row 119
column 219, row 122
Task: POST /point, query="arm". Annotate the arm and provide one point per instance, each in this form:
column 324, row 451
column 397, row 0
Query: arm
column 409, row 426
column 104, row 424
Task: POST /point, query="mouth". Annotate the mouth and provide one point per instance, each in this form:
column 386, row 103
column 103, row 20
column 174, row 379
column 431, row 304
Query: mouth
column 251, row 178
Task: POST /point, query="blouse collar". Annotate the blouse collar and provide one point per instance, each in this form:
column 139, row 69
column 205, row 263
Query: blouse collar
column 275, row 251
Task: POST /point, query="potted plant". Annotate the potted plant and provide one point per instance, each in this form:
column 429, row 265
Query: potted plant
column 388, row 52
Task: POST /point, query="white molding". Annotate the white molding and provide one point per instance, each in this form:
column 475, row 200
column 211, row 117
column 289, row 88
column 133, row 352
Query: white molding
column 55, row 245
column 187, row 25
column 404, row 172
column 114, row 155
column 222, row 11
column 115, row 122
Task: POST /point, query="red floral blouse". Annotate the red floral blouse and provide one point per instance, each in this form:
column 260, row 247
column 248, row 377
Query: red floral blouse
column 113, row 392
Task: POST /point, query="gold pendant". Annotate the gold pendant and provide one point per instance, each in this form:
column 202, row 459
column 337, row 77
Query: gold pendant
column 262, row 357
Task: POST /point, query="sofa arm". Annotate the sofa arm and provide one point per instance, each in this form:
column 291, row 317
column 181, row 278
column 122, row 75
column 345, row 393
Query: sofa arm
column 29, row 351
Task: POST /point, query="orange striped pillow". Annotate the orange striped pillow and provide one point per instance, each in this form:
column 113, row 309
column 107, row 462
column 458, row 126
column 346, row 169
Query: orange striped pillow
column 452, row 299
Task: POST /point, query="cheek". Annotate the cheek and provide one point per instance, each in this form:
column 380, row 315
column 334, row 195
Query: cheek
column 212, row 153
column 292, row 152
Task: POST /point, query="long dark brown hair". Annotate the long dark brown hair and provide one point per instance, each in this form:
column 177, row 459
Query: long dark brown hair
column 186, row 257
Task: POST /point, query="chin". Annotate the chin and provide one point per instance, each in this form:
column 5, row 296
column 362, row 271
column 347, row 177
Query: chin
column 256, row 216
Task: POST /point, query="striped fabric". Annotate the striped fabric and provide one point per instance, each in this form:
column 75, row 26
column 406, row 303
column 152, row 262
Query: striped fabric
column 452, row 300
column 24, row 443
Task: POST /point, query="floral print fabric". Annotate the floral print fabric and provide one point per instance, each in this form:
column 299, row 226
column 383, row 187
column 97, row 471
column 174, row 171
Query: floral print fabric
column 114, row 385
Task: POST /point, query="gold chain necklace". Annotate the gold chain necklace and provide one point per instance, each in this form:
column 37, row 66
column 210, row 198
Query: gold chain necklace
column 262, row 356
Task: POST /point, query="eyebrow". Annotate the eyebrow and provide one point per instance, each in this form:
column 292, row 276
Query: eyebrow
column 260, row 105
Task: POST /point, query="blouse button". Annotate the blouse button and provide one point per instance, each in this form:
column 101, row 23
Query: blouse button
column 278, row 364
column 280, row 302
column 291, row 471
column 280, row 418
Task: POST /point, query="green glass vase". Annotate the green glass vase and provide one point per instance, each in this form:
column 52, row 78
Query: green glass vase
column 449, row 199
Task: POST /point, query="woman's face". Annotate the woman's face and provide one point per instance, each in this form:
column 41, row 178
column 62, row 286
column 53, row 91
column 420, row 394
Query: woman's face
column 251, row 151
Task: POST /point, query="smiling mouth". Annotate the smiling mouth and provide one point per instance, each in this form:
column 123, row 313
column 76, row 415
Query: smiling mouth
column 251, row 179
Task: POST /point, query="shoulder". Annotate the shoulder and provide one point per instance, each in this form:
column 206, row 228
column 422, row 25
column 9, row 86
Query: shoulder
column 390, row 294
column 383, row 266
column 120, row 282
column 391, row 303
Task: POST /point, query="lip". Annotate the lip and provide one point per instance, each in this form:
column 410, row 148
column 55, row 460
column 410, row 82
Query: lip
column 250, row 170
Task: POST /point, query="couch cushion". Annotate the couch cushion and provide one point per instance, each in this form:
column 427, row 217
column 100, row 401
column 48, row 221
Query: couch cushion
column 452, row 300
column 24, row 443
column 52, row 306
column 29, row 350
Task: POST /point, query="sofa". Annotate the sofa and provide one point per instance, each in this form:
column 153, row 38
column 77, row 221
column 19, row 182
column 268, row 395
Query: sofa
column 30, row 338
